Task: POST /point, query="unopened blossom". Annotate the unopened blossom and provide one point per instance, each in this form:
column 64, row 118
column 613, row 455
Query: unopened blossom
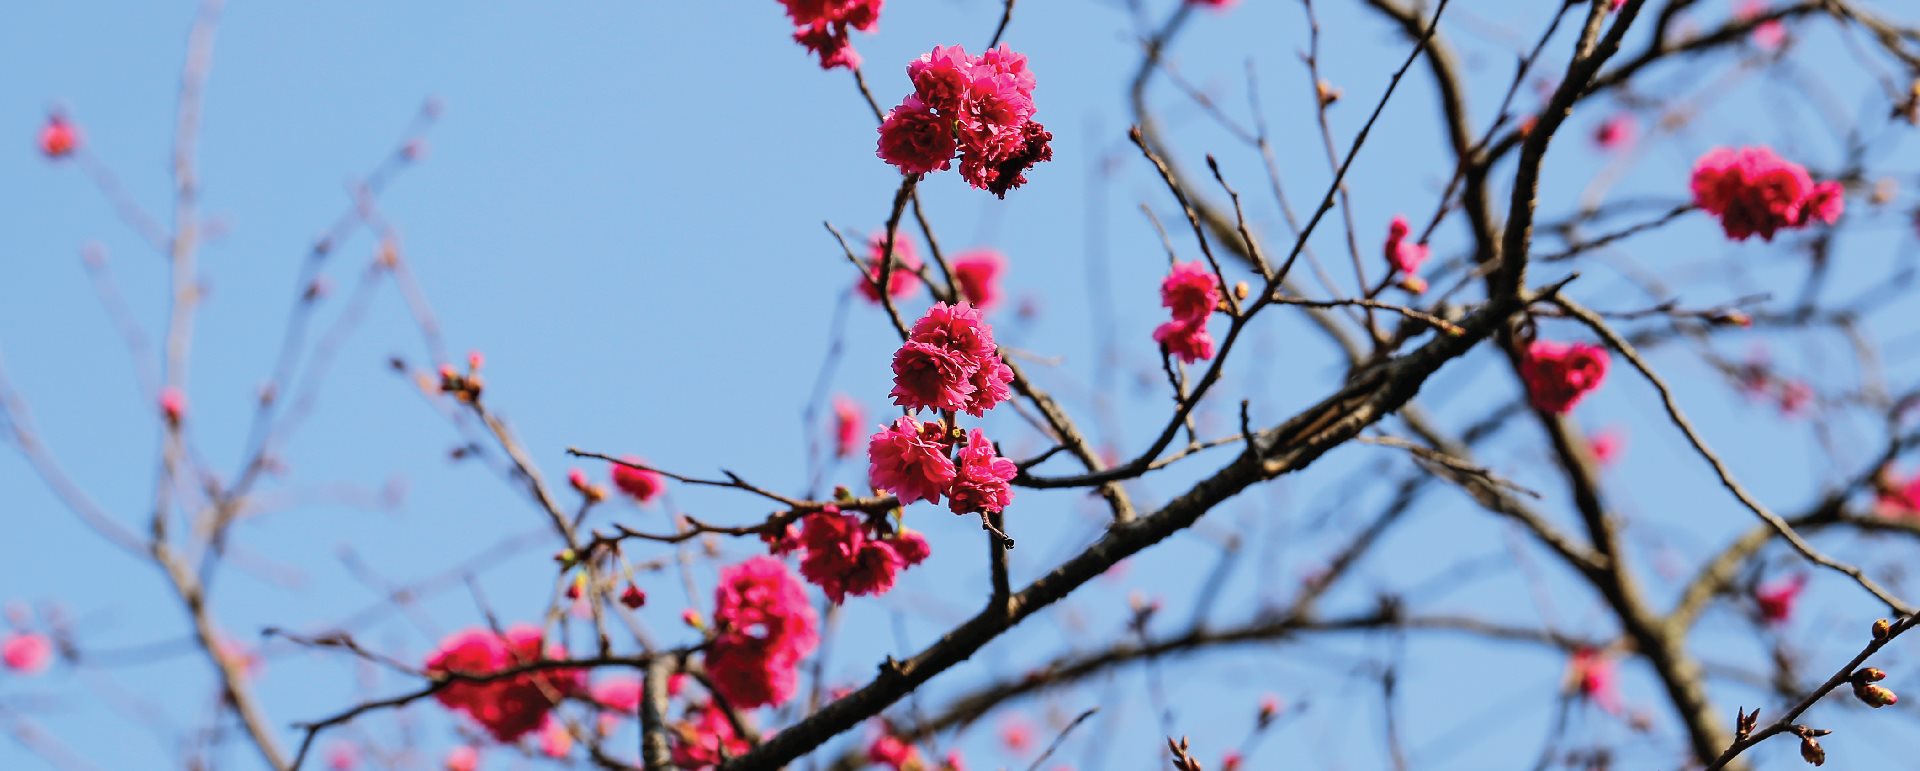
column 343, row 756
column 632, row 597
column 640, row 484
column 1755, row 192
column 1559, row 374
column 978, row 275
column 1594, row 676
column 909, row 459
column 1231, row 761
column 1016, row 735
column 462, row 758
column 903, row 277
column 58, row 138
column 1616, row 132
column 705, row 738
column 979, row 107
column 765, row 626
column 982, row 480
column 1775, row 600
column 847, row 420
column 173, row 405
column 507, row 708
column 27, row 653
column 1607, row 445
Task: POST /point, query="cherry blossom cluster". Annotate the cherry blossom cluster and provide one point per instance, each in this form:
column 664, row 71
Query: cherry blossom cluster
column 706, row 738
column 1559, row 374
column 1191, row 293
column 978, row 106
column 822, row 26
column 511, row 707
column 976, row 273
column 1755, row 192
column 949, row 363
column 763, row 627
column 1405, row 256
column 849, row 554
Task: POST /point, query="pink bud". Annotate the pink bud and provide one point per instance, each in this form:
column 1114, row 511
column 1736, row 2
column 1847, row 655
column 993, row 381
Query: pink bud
column 58, row 138
column 173, row 405
column 633, row 598
column 27, row 653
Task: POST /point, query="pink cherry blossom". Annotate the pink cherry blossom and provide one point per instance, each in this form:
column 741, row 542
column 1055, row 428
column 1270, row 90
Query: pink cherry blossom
column 765, row 626
column 641, row 484
column 1595, row 677
column 58, row 138
column 978, row 274
column 909, row 459
column 982, row 480
column 27, row 653
column 1558, row 374
column 847, row 419
column 1775, row 600
column 902, row 280
column 1755, row 192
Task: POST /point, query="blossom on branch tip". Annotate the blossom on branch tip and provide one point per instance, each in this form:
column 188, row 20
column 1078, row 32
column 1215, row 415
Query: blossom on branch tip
column 950, row 362
column 1775, row 600
column 1404, row 256
column 822, row 26
column 764, row 627
column 640, row 484
column 980, row 107
column 58, row 138
column 1593, row 675
column 705, row 738
column 909, row 459
column 847, row 420
column 903, row 277
column 978, row 275
column 1558, row 374
column 1191, row 293
column 1755, row 192
column 27, row 653
column 982, row 480
column 507, row 708
column 462, row 758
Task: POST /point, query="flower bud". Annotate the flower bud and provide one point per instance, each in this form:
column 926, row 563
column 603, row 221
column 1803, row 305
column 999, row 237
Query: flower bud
column 1875, row 696
column 1812, row 752
column 1414, row 284
column 58, row 139
column 173, row 405
column 1881, row 629
column 1868, row 675
column 1240, row 290
column 633, row 598
column 579, row 586
column 692, row 618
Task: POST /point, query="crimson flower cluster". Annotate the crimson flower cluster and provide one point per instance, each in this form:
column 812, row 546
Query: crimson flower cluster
column 822, row 26
column 1755, row 192
column 763, row 628
column 979, row 106
column 1558, row 374
column 705, row 738
column 948, row 363
column 508, row 708
column 904, row 277
column 1191, row 293
column 847, row 554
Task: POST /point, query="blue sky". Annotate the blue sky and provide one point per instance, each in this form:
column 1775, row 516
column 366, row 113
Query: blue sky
column 621, row 206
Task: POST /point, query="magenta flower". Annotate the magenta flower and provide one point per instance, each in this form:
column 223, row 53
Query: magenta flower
column 765, row 627
column 1558, row 375
column 930, row 377
column 1616, row 133
column 847, row 419
column 978, row 274
column 643, row 485
column 982, row 482
column 1405, row 257
column 916, row 139
column 902, row 280
column 942, row 78
column 1755, row 192
column 909, row 459
column 27, row 653
column 1596, row 678
column 1776, row 599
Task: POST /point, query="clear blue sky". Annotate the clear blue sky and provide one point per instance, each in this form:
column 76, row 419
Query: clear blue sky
column 621, row 207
